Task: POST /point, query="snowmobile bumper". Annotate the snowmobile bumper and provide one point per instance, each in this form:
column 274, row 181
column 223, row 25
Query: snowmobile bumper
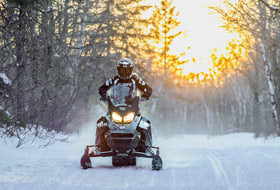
column 95, row 153
column 121, row 158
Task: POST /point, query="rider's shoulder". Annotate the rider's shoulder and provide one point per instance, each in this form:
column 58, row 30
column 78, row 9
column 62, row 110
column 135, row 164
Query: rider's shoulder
column 111, row 80
column 135, row 76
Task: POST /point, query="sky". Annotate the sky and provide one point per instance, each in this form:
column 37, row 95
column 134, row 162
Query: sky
column 203, row 32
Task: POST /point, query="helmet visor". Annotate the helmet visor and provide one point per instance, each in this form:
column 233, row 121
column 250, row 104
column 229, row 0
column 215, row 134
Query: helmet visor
column 124, row 71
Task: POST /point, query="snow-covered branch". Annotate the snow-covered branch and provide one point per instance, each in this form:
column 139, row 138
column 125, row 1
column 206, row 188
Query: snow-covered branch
column 5, row 79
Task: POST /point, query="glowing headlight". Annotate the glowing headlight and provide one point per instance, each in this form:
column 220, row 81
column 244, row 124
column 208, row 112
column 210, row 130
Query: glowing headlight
column 128, row 118
column 116, row 117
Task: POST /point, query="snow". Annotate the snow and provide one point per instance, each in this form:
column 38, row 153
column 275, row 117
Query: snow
column 234, row 161
column 5, row 79
column 6, row 112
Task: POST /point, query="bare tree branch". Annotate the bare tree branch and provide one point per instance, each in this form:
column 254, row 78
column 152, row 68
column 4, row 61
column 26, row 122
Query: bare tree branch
column 276, row 9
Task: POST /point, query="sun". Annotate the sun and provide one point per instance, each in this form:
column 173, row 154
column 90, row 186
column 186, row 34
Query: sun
column 203, row 34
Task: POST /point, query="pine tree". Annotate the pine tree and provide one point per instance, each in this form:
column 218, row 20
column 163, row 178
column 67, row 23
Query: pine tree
column 163, row 30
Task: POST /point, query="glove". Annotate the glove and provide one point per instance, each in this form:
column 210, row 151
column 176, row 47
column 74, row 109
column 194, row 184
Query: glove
column 103, row 98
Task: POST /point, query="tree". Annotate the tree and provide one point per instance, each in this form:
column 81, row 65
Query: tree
column 260, row 21
column 163, row 30
column 122, row 26
column 56, row 53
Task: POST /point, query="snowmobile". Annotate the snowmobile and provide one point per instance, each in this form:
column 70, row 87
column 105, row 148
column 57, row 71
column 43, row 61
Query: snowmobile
column 128, row 135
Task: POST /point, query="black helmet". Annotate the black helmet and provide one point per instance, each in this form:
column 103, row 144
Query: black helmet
column 125, row 68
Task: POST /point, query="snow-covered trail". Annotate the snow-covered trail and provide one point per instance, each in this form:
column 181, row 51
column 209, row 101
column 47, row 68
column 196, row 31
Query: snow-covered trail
column 236, row 161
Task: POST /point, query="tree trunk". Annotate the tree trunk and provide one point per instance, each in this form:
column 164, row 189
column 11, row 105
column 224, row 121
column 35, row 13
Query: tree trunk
column 268, row 67
column 20, row 64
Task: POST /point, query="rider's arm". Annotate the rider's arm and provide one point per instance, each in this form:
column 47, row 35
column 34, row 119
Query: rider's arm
column 105, row 87
column 147, row 91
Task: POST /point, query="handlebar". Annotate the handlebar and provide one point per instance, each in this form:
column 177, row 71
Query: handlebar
column 141, row 99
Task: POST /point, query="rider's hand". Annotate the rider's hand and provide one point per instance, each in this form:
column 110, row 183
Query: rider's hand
column 103, row 99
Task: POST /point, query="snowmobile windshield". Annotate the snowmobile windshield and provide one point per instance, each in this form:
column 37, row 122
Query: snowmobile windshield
column 122, row 94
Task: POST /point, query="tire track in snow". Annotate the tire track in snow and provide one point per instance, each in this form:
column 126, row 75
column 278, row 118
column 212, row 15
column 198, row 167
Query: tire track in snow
column 219, row 170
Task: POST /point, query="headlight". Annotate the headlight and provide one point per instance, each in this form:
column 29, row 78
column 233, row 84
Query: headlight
column 116, row 117
column 128, row 118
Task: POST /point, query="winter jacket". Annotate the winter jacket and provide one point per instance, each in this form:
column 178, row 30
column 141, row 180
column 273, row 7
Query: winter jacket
column 147, row 91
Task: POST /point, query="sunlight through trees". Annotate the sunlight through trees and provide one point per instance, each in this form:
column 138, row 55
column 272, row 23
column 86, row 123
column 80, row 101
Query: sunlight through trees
column 56, row 53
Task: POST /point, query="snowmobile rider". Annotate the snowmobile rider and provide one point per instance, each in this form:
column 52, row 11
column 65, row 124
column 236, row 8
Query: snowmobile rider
column 125, row 75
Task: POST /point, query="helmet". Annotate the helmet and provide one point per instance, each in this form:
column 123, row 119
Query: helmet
column 125, row 68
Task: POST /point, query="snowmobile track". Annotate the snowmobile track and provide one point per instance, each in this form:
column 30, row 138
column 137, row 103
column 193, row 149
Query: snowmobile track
column 219, row 170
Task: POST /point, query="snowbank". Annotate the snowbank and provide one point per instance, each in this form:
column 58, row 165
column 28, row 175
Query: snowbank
column 219, row 142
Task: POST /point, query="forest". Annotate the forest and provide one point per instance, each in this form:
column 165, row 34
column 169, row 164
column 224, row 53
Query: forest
column 55, row 54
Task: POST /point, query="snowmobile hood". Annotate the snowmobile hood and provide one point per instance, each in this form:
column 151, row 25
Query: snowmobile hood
column 132, row 106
